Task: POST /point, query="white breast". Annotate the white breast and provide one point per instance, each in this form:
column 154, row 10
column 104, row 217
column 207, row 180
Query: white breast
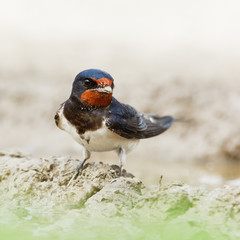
column 100, row 140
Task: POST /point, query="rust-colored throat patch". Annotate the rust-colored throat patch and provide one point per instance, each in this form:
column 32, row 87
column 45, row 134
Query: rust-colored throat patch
column 95, row 98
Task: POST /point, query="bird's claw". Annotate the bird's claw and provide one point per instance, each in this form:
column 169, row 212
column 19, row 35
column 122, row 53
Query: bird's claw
column 67, row 173
column 120, row 172
column 76, row 173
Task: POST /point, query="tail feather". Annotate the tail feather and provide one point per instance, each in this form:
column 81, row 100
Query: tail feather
column 156, row 124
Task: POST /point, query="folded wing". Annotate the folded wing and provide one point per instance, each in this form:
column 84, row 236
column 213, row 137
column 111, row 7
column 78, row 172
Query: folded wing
column 129, row 123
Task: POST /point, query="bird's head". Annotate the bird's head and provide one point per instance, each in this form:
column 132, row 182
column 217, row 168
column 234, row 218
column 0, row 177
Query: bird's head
column 93, row 88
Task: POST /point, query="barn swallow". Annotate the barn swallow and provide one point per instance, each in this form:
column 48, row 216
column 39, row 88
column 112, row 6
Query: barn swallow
column 98, row 122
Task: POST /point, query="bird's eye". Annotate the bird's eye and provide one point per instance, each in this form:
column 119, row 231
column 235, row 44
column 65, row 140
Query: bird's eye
column 87, row 83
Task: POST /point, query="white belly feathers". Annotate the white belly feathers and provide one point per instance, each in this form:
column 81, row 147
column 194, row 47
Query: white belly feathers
column 100, row 140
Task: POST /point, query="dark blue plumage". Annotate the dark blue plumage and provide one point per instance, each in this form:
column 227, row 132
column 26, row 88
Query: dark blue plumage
column 129, row 123
column 93, row 73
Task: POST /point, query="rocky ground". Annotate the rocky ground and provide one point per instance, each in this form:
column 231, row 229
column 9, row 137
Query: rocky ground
column 30, row 186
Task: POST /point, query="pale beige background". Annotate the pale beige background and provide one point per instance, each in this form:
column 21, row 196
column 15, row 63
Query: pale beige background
column 169, row 57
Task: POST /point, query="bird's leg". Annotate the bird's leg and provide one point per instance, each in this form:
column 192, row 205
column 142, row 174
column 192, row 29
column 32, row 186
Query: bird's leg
column 86, row 156
column 122, row 159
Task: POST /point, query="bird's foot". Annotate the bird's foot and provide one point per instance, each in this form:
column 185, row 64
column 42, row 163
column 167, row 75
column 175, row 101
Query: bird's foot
column 120, row 172
column 75, row 173
column 67, row 173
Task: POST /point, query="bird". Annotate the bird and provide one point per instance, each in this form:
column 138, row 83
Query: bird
column 99, row 122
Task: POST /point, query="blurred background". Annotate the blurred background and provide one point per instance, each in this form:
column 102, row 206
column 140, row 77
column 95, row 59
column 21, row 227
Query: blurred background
column 179, row 58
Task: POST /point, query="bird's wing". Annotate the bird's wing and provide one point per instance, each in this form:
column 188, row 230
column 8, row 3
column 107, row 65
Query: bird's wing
column 129, row 123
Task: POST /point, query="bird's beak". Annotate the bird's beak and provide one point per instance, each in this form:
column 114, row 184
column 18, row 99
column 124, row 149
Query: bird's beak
column 106, row 89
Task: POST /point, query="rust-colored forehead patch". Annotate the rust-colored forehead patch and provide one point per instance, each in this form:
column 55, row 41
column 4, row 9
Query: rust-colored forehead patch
column 103, row 81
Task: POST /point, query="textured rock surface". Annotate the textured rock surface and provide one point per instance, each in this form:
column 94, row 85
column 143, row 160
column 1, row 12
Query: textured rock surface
column 99, row 192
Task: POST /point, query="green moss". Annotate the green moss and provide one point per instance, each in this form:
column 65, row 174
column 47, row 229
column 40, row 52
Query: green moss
column 76, row 225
